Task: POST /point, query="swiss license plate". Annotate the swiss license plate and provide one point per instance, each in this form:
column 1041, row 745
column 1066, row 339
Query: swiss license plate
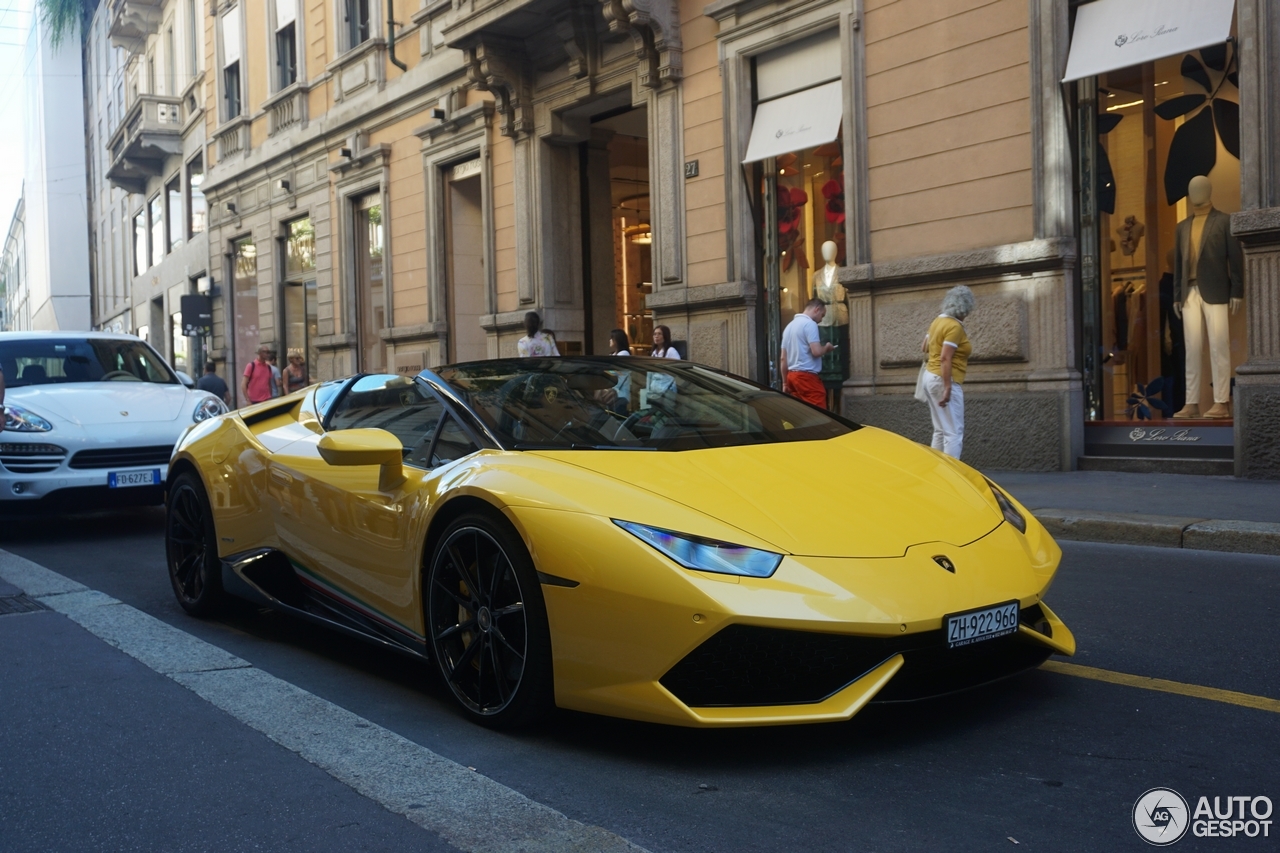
column 125, row 479
column 987, row 623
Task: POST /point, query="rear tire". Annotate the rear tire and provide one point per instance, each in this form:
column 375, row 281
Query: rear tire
column 191, row 546
column 487, row 623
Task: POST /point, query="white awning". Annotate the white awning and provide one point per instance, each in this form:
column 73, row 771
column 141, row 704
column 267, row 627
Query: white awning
column 1112, row 34
column 794, row 122
column 231, row 36
column 286, row 13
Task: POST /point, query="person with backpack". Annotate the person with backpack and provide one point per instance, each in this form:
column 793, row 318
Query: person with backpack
column 255, row 384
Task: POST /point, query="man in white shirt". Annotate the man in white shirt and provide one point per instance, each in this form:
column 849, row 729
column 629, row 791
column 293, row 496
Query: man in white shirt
column 800, row 361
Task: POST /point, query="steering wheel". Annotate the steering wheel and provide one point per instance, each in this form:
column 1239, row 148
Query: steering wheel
column 119, row 374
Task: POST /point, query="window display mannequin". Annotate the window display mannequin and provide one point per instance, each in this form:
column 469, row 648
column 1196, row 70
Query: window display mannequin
column 834, row 327
column 1208, row 286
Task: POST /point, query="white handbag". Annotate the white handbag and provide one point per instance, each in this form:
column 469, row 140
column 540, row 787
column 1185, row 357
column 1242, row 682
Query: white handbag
column 922, row 391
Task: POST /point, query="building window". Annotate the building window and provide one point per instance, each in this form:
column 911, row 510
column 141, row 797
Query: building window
column 151, row 75
column 244, row 301
column 193, row 39
column 286, row 43
column 301, row 317
column 179, row 358
column 156, row 210
column 231, row 63
column 173, row 217
column 356, row 15
column 286, row 56
column 170, row 63
column 196, row 208
column 140, row 253
column 231, row 88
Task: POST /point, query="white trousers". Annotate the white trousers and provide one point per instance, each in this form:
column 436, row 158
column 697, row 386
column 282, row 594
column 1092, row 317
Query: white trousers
column 948, row 420
column 1196, row 315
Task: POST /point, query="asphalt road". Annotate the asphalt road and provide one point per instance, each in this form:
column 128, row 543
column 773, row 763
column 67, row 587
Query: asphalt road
column 1049, row 761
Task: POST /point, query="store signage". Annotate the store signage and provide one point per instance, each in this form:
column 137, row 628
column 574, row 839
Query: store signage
column 1112, row 34
column 469, row 169
column 1159, row 434
column 795, row 122
column 197, row 315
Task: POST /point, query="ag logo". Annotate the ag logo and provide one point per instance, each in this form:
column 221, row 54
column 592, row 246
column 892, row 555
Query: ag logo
column 1160, row 816
column 1137, row 434
column 1121, row 41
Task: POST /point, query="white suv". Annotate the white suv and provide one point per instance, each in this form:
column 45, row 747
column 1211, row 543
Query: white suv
column 91, row 418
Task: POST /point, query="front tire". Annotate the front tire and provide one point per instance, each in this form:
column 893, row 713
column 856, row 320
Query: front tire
column 487, row 623
column 191, row 546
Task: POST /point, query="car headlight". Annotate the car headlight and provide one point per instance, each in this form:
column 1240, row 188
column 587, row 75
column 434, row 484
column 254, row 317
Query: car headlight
column 209, row 407
column 18, row 419
column 1010, row 512
column 705, row 555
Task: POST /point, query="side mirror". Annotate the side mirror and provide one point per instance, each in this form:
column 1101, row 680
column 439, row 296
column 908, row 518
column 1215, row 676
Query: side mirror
column 185, row 379
column 366, row 447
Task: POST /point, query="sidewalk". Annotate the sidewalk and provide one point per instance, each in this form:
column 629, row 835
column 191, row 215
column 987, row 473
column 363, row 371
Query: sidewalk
column 1167, row 510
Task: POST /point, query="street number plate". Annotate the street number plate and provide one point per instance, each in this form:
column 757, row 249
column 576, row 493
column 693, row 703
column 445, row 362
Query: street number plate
column 125, row 479
column 987, row 623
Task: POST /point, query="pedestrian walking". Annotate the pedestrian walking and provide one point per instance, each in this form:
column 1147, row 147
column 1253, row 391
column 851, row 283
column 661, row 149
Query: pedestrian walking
column 536, row 343
column 295, row 372
column 277, row 383
column 800, row 360
column 255, row 383
column 213, row 383
column 948, row 347
column 662, row 347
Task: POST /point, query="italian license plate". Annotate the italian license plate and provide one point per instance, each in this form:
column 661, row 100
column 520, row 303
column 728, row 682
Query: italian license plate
column 125, row 479
column 987, row 623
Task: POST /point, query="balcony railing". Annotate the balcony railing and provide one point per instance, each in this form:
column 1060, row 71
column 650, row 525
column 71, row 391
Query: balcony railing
column 132, row 21
column 149, row 132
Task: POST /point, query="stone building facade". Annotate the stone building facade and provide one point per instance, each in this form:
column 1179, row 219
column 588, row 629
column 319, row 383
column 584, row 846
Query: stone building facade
column 391, row 188
column 144, row 113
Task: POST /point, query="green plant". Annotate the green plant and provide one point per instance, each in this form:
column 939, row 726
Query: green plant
column 61, row 16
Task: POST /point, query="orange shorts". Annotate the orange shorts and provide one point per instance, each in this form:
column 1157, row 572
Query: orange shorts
column 808, row 387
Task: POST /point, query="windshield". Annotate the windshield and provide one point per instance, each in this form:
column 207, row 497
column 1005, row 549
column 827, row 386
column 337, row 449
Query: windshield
column 630, row 403
column 61, row 360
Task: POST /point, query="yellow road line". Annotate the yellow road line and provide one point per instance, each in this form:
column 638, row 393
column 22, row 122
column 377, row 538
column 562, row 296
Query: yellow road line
column 1231, row 697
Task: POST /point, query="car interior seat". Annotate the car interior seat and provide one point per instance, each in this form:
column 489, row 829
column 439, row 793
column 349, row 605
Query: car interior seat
column 34, row 373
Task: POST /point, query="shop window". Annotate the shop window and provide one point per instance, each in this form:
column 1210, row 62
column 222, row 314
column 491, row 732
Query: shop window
column 231, row 55
column 155, row 209
column 197, row 209
column 180, row 360
column 244, row 301
column 301, row 315
column 370, row 294
column 1162, row 334
column 173, row 217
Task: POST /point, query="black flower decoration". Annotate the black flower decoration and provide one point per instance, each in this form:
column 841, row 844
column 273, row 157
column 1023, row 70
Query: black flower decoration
column 1144, row 399
column 1194, row 149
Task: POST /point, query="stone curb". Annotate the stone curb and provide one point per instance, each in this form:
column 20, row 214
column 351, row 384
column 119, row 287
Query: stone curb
column 1162, row 531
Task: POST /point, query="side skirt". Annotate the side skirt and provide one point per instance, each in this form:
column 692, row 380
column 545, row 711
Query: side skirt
column 265, row 576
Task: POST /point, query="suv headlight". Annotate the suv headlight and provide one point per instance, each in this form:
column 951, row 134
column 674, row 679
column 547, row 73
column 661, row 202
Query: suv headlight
column 19, row 419
column 1010, row 512
column 705, row 555
column 209, row 407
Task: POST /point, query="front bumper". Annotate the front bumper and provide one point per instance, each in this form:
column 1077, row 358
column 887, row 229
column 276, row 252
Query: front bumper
column 642, row 638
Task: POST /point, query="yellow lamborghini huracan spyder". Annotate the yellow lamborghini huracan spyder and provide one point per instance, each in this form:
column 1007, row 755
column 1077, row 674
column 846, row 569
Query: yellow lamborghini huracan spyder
column 641, row 538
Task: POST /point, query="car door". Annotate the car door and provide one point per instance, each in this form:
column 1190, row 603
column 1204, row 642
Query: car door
column 347, row 539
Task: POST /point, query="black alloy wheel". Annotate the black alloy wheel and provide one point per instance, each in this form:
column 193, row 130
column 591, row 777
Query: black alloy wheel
column 192, row 547
column 488, row 624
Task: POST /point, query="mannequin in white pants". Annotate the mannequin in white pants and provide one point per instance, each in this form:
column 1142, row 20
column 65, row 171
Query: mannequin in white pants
column 1209, row 288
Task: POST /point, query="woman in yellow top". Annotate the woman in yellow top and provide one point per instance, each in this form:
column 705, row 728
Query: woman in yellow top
column 948, row 347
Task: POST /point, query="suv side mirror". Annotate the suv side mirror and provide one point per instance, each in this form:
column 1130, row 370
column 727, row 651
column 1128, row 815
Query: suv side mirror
column 185, row 379
column 366, row 447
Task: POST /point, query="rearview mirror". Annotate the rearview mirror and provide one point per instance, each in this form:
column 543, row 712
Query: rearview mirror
column 366, row 447
column 185, row 379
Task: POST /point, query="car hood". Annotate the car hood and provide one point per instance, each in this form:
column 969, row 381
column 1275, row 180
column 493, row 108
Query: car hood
column 97, row 403
column 867, row 494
